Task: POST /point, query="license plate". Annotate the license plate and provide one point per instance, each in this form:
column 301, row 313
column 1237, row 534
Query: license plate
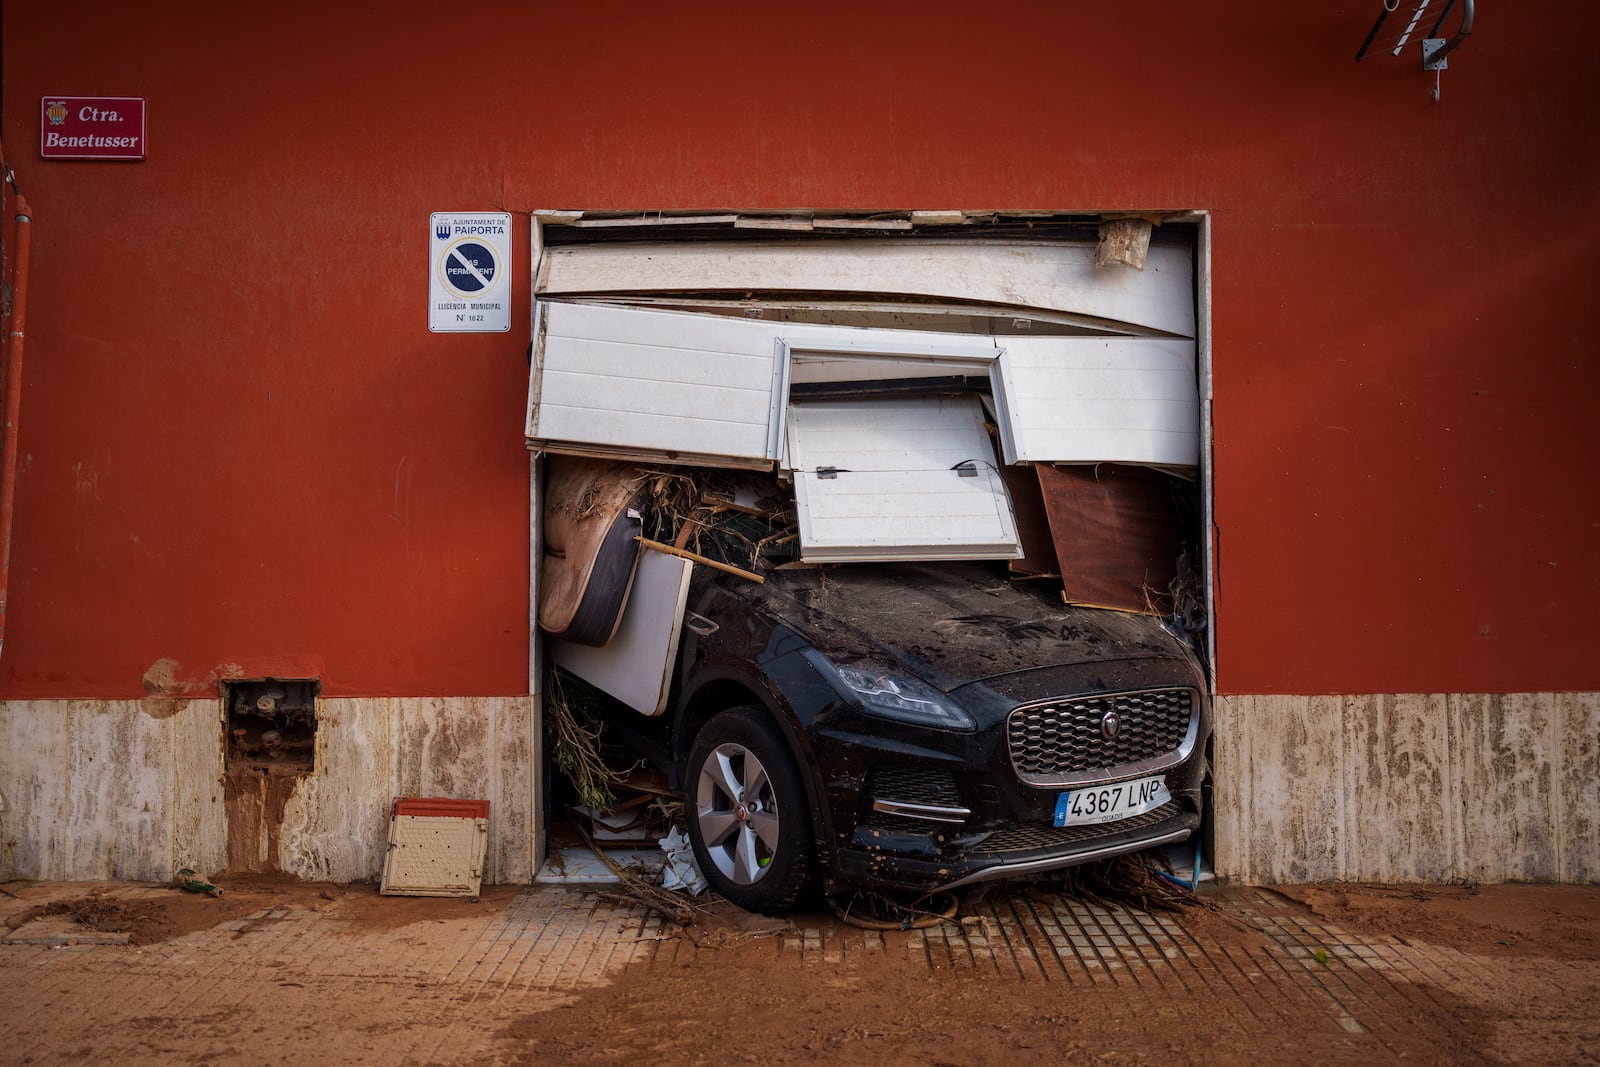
column 1108, row 803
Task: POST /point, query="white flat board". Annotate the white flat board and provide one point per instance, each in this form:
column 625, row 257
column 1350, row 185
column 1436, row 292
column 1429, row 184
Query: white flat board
column 469, row 271
column 896, row 492
column 636, row 665
column 1099, row 400
column 1055, row 276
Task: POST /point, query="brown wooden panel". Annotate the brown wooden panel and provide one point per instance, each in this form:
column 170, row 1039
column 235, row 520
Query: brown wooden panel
column 1118, row 532
column 1033, row 526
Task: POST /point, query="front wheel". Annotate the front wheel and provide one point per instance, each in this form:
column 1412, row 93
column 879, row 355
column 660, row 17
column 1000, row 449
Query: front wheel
column 747, row 812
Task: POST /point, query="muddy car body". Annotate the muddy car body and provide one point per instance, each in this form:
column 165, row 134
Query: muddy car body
column 920, row 726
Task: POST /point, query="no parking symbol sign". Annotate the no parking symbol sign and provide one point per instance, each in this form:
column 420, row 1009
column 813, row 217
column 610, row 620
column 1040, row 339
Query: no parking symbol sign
column 469, row 272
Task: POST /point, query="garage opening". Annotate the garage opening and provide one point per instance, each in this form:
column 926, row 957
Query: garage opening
column 976, row 390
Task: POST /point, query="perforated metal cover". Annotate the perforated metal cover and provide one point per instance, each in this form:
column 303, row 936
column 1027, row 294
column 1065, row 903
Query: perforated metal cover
column 435, row 856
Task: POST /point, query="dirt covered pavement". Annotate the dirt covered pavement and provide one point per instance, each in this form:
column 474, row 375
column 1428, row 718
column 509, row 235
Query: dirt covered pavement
column 284, row 972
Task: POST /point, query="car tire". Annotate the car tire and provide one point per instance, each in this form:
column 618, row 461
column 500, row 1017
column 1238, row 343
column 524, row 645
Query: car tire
column 746, row 807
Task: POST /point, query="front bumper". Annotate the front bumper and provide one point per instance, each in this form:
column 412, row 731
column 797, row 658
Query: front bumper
column 927, row 809
column 889, row 859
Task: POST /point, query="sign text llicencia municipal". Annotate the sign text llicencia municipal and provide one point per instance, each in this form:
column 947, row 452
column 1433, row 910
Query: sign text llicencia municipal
column 469, row 272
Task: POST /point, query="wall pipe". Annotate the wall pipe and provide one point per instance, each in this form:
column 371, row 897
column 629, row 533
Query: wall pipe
column 1453, row 43
column 13, row 394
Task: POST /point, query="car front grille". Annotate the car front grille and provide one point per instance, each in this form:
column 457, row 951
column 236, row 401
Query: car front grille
column 1033, row 837
column 881, row 822
column 915, row 785
column 1060, row 742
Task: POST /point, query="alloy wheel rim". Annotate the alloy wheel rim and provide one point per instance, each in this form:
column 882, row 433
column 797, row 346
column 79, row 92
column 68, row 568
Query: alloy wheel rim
column 737, row 813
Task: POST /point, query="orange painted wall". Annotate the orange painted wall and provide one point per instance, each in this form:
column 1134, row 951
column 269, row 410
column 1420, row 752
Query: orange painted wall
column 242, row 445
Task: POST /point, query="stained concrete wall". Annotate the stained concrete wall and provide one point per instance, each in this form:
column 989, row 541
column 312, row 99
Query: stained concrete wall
column 130, row 789
column 1401, row 788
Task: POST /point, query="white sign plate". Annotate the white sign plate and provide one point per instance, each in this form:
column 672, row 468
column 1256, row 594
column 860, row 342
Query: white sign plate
column 469, row 271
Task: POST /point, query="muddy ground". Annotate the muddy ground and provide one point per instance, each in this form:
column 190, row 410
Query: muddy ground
column 734, row 988
column 742, row 1006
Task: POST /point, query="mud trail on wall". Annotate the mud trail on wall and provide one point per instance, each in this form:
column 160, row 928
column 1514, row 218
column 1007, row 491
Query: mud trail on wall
column 255, row 799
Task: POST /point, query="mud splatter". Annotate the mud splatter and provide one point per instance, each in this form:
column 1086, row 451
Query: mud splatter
column 256, row 798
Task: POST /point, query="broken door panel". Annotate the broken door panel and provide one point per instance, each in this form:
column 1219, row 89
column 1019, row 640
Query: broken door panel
column 1099, row 399
column 635, row 667
column 1057, row 276
column 1033, row 525
column 655, row 385
column 911, row 478
column 1118, row 534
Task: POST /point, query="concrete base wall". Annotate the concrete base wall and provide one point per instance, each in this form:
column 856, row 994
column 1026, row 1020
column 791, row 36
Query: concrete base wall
column 1404, row 788
column 133, row 789
column 1363, row 788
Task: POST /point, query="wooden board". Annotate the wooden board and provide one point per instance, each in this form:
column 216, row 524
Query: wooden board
column 1033, row 525
column 1118, row 533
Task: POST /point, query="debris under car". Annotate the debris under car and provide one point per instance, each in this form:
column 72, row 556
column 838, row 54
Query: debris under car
column 886, row 725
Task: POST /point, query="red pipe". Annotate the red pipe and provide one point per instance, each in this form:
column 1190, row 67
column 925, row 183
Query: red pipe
column 13, row 392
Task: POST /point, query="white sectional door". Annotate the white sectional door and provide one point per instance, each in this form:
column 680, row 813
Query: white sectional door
column 655, row 385
column 1099, row 399
column 898, row 479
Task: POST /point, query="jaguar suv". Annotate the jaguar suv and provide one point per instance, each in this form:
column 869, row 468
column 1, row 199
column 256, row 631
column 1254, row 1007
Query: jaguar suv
column 920, row 726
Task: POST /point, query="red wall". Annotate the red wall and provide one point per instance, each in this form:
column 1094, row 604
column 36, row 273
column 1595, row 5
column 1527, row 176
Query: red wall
column 243, row 446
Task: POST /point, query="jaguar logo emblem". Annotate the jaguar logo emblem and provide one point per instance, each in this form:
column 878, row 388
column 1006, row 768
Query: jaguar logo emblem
column 1110, row 725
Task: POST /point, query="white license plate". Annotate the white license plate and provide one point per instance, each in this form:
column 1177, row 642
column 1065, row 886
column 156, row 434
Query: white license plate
column 1108, row 803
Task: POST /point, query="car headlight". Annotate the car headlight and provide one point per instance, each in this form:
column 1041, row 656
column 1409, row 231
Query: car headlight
column 891, row 696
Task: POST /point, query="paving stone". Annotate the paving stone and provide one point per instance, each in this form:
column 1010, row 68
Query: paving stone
column 561, row 940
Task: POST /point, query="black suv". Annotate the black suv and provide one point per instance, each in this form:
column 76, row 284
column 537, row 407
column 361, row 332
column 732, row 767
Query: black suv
column 920, row 726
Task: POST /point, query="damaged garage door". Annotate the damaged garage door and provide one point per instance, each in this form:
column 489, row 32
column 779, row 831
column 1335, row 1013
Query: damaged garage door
column 909, row 479
column 711, row 390
column 655, row 385
column 886, row 383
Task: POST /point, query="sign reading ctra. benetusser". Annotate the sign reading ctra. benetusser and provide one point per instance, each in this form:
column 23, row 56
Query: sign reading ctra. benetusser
column 92, row 127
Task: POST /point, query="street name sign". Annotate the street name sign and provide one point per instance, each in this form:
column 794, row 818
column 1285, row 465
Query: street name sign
column 91, row 127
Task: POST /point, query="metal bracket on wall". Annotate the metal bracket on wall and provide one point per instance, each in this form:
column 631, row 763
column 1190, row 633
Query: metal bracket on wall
column 1435, row 49
column 1435, row 57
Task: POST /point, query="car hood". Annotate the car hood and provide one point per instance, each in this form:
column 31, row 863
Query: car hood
column 950, row 623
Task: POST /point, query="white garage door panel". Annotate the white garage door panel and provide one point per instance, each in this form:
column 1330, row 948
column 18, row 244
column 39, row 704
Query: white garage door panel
column 1056, row 276
column 724, row 369
column 1156, row 387
column 895, row 494
column 654, row 385
column 658, row 396
column 1090, row 399
column 644, row 433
